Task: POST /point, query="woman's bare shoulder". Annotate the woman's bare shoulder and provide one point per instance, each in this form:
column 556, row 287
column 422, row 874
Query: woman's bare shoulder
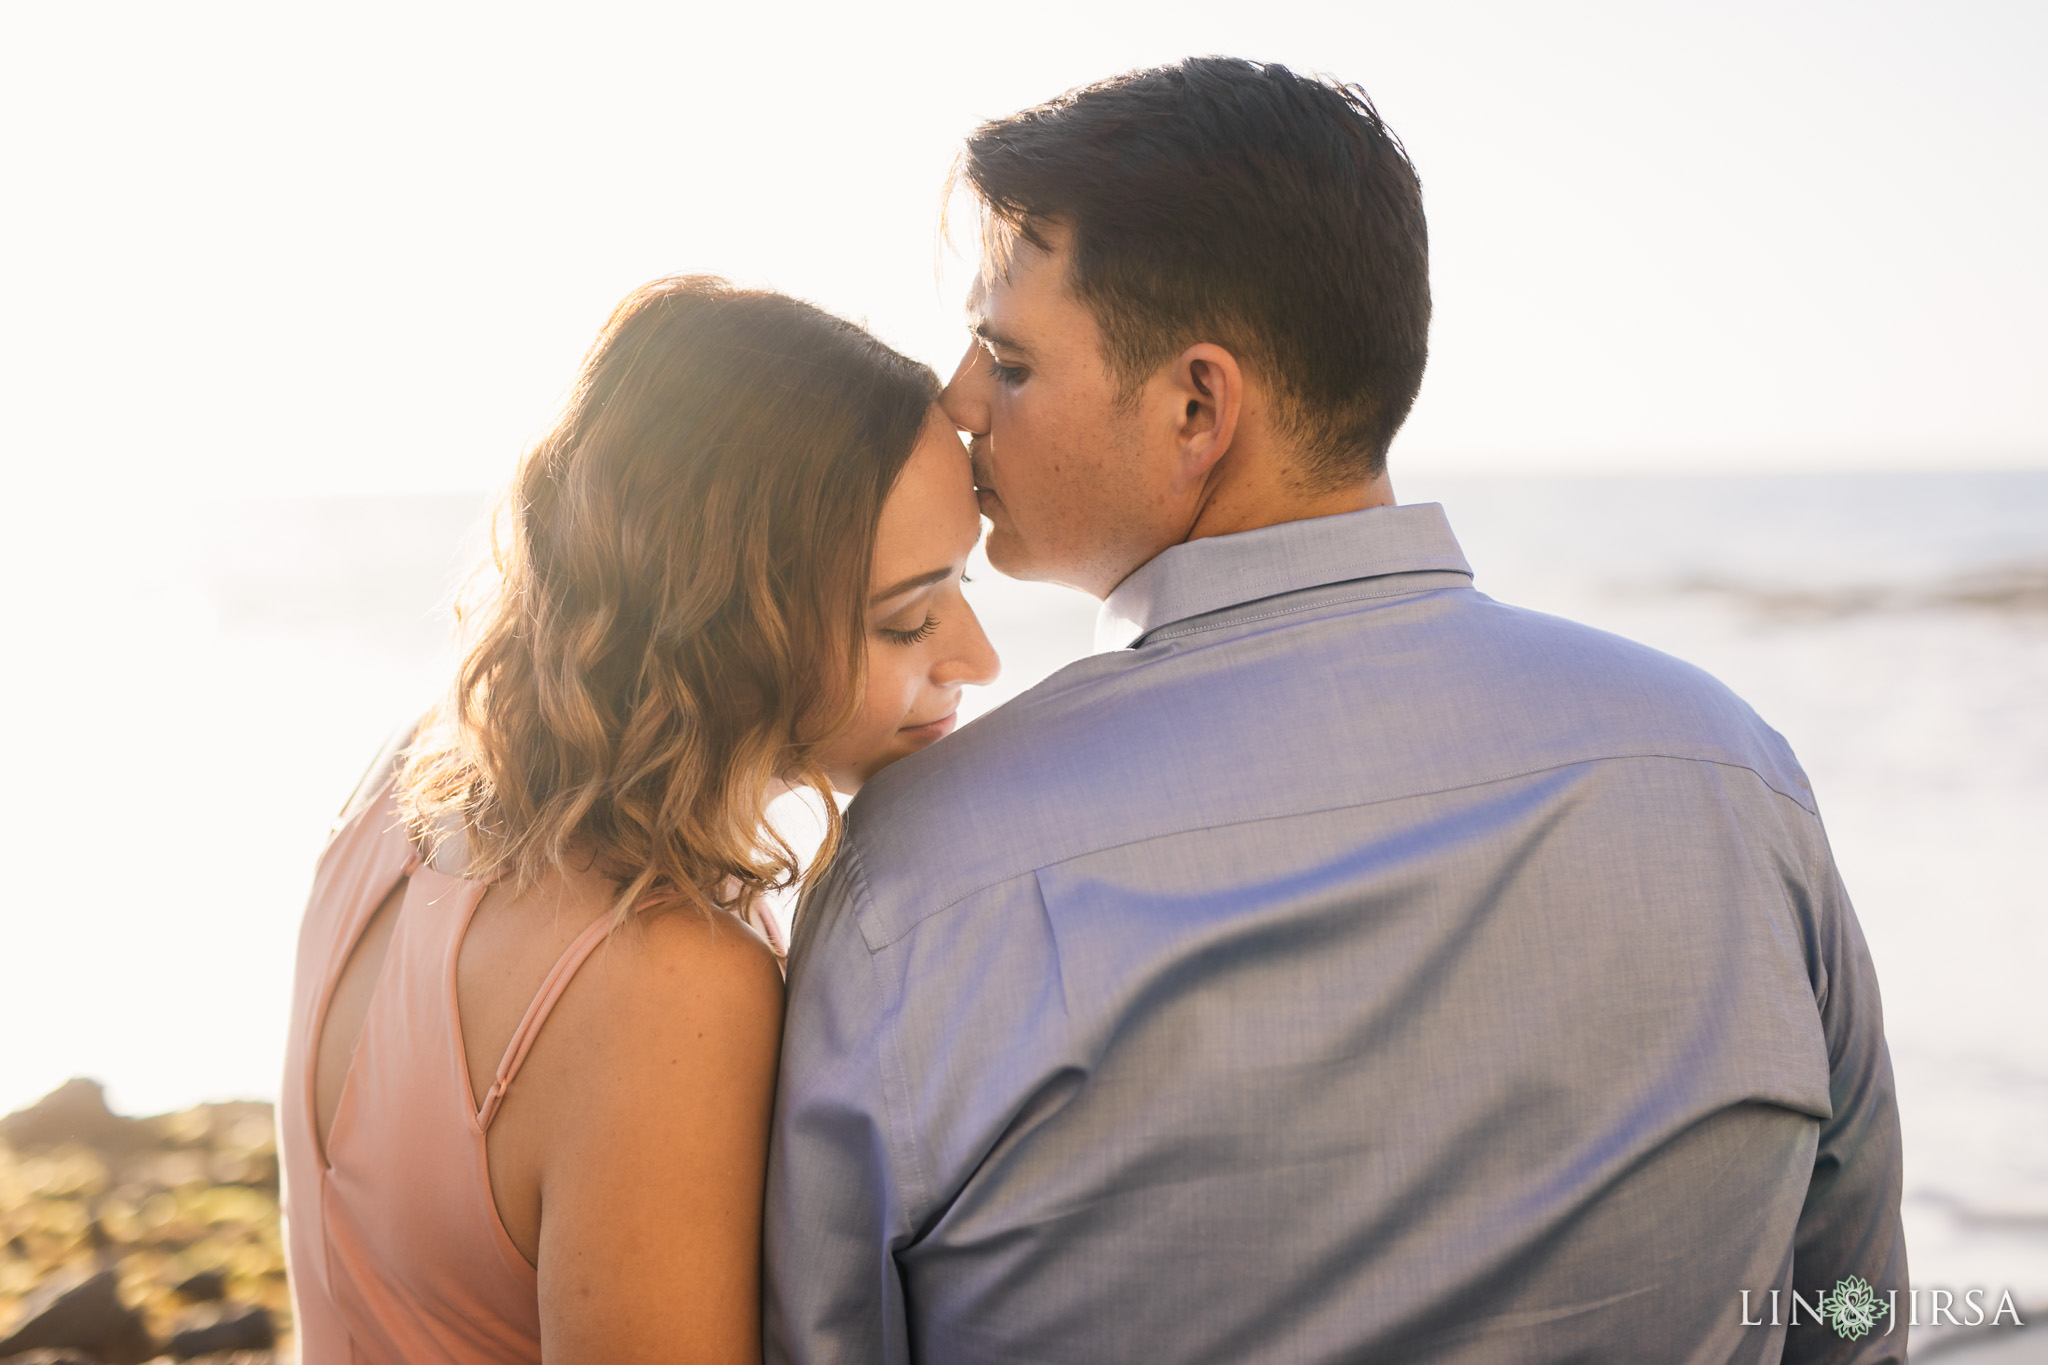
column 679, row 980
column 662, row 986
column 656, row 1099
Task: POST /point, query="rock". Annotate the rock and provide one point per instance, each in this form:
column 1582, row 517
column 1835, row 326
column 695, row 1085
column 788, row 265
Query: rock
column 75, row 1111
column 236, row 1327
column 110, row 1193
column 88, row 1316
column 208, row 1286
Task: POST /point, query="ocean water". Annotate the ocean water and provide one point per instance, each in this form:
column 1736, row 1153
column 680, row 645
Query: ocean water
column 196, row 686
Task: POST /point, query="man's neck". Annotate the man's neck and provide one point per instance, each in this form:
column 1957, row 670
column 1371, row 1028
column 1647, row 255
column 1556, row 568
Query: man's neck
column 1246, row 506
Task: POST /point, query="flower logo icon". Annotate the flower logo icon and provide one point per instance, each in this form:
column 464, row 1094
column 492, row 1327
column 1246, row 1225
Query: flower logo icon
column 1851, row 1308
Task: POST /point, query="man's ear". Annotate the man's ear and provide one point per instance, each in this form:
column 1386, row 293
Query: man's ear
column 1208, row 384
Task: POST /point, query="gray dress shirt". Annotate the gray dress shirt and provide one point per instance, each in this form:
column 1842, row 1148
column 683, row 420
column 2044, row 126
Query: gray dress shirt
column 1343, row 967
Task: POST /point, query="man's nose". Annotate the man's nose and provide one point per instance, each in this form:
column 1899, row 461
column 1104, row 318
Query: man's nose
column 962, row 400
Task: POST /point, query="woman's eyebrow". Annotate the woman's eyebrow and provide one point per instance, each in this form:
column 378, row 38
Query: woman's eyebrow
column 914, row 581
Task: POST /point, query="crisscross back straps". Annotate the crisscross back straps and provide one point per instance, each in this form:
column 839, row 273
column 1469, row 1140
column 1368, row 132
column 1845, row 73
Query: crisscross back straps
column 537, row 1014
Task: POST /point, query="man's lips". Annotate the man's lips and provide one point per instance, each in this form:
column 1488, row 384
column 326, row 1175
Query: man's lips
column 933, row 729
column 984, row 487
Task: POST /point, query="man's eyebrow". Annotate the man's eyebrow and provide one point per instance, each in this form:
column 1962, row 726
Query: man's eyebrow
column 987, row 332
column 914, row 581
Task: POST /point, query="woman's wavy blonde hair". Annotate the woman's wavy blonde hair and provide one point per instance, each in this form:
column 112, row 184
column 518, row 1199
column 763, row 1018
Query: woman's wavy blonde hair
column 676, row 616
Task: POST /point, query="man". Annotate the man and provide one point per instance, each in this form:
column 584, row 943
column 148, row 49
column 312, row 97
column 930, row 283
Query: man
column 1342, row 966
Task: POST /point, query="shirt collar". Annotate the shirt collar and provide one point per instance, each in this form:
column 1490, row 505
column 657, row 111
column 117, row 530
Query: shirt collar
column 1201, row 576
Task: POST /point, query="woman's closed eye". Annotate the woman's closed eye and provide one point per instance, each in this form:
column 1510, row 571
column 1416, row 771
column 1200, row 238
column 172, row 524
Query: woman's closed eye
column 914, row 633
column 1010, row 376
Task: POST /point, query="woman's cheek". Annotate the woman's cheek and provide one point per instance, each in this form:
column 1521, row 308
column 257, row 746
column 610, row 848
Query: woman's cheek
column 885, row 696
column 902, row 695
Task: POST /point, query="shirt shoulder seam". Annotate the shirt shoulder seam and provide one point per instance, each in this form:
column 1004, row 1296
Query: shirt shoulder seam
column 902, row 1139
column 876, row 945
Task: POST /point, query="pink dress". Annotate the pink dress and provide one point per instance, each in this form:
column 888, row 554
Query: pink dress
column 393, row 1241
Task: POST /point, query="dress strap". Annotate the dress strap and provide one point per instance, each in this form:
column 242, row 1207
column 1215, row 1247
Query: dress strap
column 764, row 922
column 537, row 1014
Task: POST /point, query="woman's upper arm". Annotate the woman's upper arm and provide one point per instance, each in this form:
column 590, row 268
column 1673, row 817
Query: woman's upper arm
column 650, row 1189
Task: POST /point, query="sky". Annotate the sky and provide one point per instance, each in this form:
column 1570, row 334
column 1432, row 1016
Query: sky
column 263, row 249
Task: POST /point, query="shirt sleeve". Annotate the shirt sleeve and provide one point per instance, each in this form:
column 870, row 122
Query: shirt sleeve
column 1849, row 1225
column 834, row 1218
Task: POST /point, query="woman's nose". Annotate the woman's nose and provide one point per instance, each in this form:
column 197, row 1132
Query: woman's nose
column 973, row 659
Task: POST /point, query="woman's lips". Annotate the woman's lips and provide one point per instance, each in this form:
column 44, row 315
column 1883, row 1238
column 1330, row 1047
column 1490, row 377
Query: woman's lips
column 932, row 729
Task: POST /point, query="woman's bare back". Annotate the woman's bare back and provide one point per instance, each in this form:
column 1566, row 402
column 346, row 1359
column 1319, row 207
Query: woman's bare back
column 639, row 1117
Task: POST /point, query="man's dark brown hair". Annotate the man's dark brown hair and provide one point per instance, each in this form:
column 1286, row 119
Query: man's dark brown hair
column 1241, row 204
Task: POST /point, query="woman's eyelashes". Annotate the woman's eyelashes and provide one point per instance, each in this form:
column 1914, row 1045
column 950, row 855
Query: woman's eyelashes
column 1010, row 376
column 914, row 634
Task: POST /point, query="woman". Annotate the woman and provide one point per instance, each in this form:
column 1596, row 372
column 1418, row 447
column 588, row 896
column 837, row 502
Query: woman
column 535, row 1022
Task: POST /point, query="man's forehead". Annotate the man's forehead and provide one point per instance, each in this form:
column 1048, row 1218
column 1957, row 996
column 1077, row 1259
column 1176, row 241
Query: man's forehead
column 1000, row 241
column 1023, row 274
column 987, row 317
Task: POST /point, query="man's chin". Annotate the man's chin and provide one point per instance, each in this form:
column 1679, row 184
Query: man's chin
column 1005, row 550
column 1009, row 555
